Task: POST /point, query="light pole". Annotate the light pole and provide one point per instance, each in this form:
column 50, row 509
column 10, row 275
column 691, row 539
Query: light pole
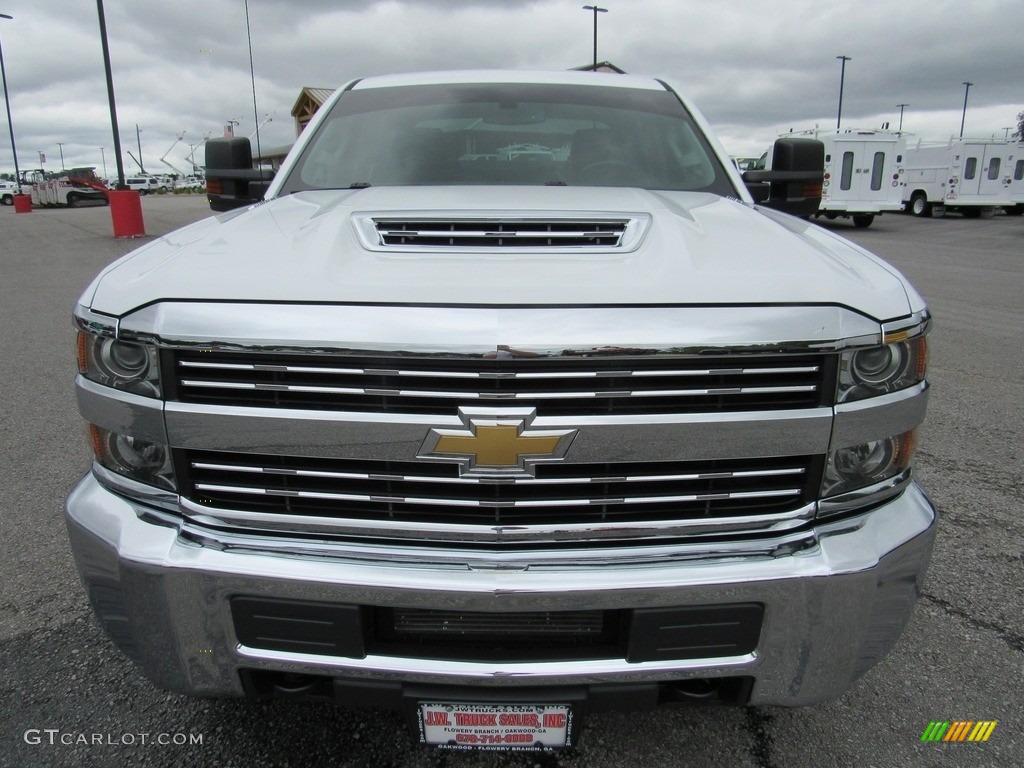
column 104, row 156
column 10, row 123
column 125, row 206
column 967, row 89
column 901, row 106
column 138, row 143
column 842, row 78
column 596, row 11
column 60, row 146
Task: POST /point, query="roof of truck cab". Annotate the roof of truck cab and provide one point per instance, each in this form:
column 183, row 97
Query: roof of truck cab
column 603, row 79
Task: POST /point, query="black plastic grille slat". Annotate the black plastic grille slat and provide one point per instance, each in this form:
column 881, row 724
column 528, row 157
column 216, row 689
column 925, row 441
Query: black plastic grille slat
column 499, row 233
column 555, row 387
column 562, row 494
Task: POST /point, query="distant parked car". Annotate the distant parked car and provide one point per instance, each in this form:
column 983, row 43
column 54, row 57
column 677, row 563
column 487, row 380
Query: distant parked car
column 8, row 189
column 189, row 182
column 145, row 184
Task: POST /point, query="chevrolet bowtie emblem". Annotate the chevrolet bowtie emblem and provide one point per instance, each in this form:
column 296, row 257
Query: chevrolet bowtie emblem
column 497, row 442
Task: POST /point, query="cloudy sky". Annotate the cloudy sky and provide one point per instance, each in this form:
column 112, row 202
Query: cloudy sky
column 756, row 69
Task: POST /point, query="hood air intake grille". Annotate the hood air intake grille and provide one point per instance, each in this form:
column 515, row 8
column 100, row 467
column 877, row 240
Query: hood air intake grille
column 502, row 233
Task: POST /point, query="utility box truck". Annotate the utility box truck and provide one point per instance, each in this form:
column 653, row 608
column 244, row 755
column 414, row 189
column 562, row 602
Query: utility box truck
column 964, row 175
column 863, row 173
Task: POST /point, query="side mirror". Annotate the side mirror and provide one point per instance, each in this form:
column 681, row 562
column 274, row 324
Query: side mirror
column 793, row 185
column 231, row 181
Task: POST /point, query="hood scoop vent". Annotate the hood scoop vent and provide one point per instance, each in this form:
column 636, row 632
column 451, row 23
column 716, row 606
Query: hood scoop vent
column 391, row 233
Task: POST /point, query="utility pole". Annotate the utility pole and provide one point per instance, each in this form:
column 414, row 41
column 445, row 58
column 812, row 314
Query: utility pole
column 842, row 78
column 138, row 142
column 901, row 106
column 596, row 11
column 967, row 89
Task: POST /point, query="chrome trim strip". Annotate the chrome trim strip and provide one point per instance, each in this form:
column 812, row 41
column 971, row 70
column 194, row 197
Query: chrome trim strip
column 580, row 534
column 567, row 672
column 497, row 505
column 491, row 480
column 909, row 327
column 122, row 412
column 86, row 320
column 495, row 375
column 499, row 332
column 879, row 417
column 863, row 497
column 133, row 489
column 470, row 395
column 398, row 437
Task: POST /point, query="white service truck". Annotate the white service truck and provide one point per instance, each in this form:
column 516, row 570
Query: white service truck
column 965, row 175
column 863, row 173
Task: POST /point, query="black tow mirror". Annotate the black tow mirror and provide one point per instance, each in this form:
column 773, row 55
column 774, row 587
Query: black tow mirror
column 793, row 185
column 231, row 181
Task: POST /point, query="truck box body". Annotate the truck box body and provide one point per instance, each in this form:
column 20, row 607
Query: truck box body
column 503, row 437
column 863, row 173
column 960, row 174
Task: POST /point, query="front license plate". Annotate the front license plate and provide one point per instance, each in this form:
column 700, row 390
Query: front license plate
column 495, row 726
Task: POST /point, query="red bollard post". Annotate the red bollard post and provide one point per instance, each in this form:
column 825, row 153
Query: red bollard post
column 126, row 212
column 22, row 203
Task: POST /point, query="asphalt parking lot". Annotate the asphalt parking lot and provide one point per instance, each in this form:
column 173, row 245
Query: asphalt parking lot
column 961, row 657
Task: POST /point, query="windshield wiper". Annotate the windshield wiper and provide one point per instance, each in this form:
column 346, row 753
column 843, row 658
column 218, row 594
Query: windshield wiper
column 359, row 185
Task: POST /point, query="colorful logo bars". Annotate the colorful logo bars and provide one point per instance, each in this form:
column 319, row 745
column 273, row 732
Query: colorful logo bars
column 959, row 730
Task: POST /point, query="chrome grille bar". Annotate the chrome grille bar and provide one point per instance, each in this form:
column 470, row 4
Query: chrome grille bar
column 500, row 395
column 441, row 501
column 564, row 385
column 391, row 477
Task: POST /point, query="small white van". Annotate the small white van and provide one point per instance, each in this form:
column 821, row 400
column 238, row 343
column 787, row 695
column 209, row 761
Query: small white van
column 145, row 184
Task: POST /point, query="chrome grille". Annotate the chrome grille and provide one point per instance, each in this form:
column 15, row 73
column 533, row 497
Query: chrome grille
column 502, row 233
column 425, row 492
column 554, row 386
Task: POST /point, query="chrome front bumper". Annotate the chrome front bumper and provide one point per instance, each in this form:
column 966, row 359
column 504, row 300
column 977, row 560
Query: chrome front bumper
column 836, row 597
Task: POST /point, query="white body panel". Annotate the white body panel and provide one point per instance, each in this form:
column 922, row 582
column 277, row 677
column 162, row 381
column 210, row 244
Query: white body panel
column 964, row 172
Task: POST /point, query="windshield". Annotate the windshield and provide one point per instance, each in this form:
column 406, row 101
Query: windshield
column 509, row 134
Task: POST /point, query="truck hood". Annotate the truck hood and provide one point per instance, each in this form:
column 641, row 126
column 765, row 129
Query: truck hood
column 696, row 249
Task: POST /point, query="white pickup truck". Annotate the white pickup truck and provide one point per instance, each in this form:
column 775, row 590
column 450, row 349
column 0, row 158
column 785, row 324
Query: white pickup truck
column 503, row 439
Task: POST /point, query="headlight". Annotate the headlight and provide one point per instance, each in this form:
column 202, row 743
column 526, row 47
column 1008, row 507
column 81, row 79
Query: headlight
column 862, row 465
column 124, row 365
column 132, row 457
column 873, row 371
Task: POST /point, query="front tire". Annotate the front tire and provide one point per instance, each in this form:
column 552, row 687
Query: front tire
column 8, row 200
column 863, row 221
column 73, row 200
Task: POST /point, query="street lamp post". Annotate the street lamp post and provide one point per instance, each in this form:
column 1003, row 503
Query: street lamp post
column 125, row 206
column 10, row 123
column 103, row 154
column 596, row 11
column 967, row 89
column 138, row 143
column 901, row 106
column 60, row 146
column 842, row 78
